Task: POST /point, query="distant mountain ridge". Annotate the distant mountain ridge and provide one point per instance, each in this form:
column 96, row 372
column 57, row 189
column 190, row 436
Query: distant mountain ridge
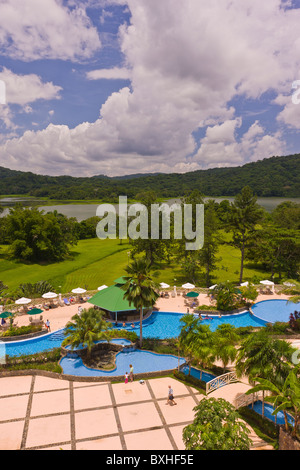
column 271, row 177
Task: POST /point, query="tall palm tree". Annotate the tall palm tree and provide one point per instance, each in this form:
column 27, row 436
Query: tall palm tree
column 85, row 329
column 261, row 356
column 140, row 289
column 196, row 340
column 187, row 336
column 284, row 398
column 225, row 340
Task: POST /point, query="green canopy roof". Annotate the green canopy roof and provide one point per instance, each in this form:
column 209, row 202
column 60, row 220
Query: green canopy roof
column 111, row 299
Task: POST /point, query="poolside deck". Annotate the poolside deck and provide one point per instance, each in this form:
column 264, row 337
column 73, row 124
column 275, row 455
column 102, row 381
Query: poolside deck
column 59, row 316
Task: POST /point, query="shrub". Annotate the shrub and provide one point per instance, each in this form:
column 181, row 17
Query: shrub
column 22, row 330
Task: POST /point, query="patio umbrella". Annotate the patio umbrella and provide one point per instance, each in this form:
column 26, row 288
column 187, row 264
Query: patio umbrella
column 49, row 295
column 212, row 287
column 6, row 314
column 23, row 301
column 188, row 286
column 192, row 294
column 268, row 283
column 79, row 290
column 163, row 285
column 35, row 311
column 102, row 287
column 245, row 284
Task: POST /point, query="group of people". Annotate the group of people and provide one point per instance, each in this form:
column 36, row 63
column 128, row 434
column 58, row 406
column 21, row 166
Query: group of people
column 124, row 324
column 130, row 375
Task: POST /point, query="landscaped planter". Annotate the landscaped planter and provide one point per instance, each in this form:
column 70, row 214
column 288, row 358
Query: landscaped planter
column 6, row 339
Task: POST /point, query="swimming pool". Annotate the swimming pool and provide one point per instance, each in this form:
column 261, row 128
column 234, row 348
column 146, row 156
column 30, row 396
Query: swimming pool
column 204, row 376
column 144, row 361
column 160, row 325
column 275, row 310
column 164, row 325
column 268, row 410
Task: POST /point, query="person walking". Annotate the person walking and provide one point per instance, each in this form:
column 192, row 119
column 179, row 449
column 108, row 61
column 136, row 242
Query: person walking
column 171, row 396
column 126, row 378
column 131, row 373
column 48, row 325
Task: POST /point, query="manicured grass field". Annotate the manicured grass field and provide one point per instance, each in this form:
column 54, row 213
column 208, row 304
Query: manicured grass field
column 96, row 262
column 93, row 263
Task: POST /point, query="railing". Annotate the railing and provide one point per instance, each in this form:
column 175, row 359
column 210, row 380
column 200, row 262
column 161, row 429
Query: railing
column 245, row 400
column 220, row 381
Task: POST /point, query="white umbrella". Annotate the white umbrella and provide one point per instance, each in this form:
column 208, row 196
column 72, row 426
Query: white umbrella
column 23, row 301
column 49, row 295
column 79, row 290
column 163, row 285
column 212, row 287
column 245, row 284
column 188, row 286
column 102, row 287
column 268, row 283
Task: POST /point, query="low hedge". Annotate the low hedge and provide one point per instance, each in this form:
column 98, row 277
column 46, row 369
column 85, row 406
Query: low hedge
column 263, row 427
column 189, row 379
column 22, row 330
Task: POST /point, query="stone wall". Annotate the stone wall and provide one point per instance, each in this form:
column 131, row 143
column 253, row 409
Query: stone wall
column 286, row 441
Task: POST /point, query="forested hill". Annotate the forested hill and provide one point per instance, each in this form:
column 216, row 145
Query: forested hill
column 276, row 176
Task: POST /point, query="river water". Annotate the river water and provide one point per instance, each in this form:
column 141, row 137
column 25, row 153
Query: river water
column 84, row 211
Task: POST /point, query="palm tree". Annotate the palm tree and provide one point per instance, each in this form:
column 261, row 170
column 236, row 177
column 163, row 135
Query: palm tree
column 140, row 289
column 187, row 336
column 86, row 329
column 261, row 356
column 226, row 339
column 196, row 340
column 284, row 398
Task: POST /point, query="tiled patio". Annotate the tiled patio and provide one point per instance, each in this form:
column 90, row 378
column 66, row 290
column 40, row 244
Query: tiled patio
column 43, row 413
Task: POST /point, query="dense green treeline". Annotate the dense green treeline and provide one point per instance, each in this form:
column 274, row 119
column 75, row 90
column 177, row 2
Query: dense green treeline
column 272, row 177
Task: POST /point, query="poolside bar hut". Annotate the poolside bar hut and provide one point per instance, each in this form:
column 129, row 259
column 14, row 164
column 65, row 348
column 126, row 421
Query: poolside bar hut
column 111, row 300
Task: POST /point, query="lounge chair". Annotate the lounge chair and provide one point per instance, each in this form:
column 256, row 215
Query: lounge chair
column 66, row 302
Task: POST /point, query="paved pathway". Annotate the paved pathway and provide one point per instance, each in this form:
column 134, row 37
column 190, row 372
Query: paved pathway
column 44, row 413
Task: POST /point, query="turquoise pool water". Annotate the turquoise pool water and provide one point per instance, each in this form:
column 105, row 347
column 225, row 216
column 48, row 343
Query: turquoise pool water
column 275, row 310
column 160, row 325
column 205, row 376
column 167, row 324
column 142, row 361
column 268, row 410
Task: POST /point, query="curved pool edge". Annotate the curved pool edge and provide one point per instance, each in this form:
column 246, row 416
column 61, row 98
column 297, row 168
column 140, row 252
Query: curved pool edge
column 265, row 316
column 110, row 374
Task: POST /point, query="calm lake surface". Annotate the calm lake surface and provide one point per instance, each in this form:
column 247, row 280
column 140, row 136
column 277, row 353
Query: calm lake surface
column 84, row 211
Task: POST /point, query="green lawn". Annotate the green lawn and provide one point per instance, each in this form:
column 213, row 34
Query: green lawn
column 96, row 262
column 93, row 263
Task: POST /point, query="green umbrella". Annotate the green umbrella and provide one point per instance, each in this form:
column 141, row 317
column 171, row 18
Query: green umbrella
column 34, row 311
column 6, row 314
column 192, row 294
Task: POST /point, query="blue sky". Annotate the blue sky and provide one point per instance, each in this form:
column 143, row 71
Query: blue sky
column 128, row 86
